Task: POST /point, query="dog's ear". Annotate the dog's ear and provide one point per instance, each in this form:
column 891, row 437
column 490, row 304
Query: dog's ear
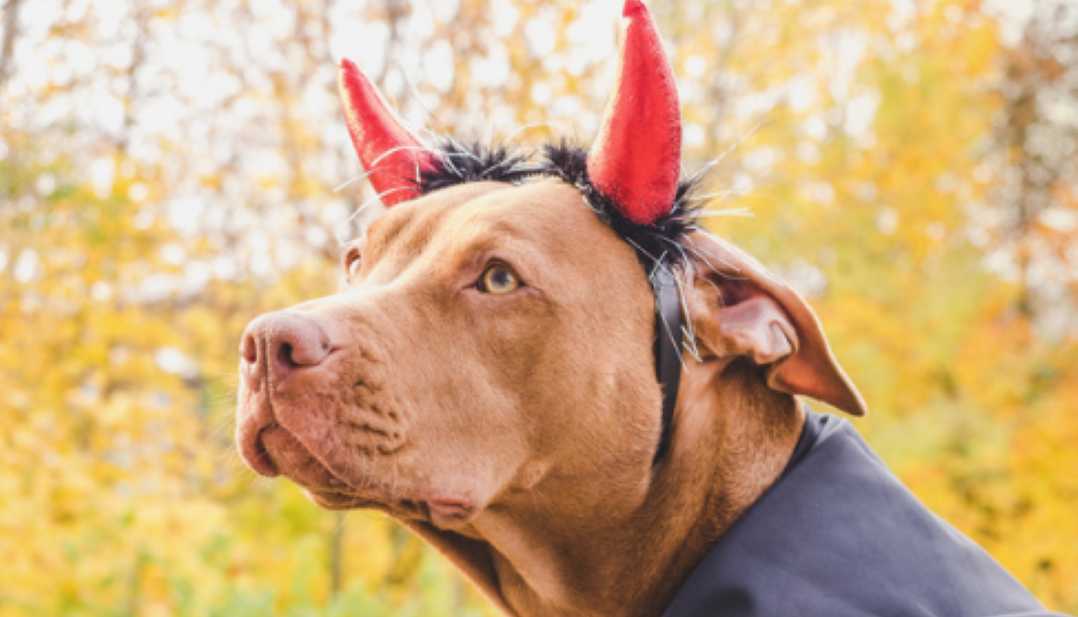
column 738, row 308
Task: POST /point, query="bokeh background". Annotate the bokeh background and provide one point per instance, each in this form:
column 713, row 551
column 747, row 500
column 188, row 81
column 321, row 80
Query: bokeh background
column 170, row 169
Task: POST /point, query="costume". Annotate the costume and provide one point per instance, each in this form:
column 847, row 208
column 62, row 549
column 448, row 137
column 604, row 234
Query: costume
column 839, row 536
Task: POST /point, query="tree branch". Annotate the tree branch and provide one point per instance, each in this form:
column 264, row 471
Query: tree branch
column 11, row 34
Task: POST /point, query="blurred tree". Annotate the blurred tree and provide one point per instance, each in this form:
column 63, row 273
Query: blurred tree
column 1037, row 196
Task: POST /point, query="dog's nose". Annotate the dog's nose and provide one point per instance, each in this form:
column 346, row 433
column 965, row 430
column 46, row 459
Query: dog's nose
column 282, row 343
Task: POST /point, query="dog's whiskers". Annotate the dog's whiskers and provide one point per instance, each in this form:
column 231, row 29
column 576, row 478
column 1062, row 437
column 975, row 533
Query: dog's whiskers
column 691, row 332
column 746, row 212
column 375, row 162
column 220, row 426
column 413, row 90
column 343, row 516
column 643, row 252
column 353, row 180
column 732, row 268
column 376, row 199
column 718, row 159
column 720, row 195
column 526, row 127
column 448, row 160
column 688, row 328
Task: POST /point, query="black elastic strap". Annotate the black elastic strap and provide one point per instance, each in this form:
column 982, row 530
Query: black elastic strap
column 667, row 347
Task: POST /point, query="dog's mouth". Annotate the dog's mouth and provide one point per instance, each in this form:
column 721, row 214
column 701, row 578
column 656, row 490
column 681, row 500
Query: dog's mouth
column 443, row 512
column 279, row 452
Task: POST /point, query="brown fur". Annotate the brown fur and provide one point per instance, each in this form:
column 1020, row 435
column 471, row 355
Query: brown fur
column 516, row 433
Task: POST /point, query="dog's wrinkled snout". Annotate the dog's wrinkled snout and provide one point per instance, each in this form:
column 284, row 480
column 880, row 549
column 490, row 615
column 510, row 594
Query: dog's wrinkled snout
column 279, row 344
column 274, row 349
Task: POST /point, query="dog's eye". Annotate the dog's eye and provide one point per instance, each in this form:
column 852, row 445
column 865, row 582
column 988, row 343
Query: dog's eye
column 498, row 279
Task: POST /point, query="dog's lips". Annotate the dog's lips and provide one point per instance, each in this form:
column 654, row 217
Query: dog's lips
column 297, row 450
column 451, row 512
column 260, row 461
column 336, row 500
column 289, row 457
column 333, row 490
column 444, row 512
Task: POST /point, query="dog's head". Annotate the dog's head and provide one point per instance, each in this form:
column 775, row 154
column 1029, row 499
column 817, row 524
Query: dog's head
column 497, row 329
column 484, row 329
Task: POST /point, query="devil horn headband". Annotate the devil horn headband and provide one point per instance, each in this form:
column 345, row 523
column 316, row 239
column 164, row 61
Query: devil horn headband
column 392, row 156
column 634, row 162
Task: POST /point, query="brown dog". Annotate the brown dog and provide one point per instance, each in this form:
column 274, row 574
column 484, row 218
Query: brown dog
column 515, row 431
column 487, row 377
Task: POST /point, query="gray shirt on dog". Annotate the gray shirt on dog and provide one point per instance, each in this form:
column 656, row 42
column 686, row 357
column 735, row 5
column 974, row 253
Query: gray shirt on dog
column 839, row 536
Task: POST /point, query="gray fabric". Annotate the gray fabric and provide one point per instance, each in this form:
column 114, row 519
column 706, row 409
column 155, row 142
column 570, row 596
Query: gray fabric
column 838, row 535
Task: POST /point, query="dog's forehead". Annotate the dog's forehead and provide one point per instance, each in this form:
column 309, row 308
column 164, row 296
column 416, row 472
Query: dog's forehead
column 423, row 214
column 548, row 211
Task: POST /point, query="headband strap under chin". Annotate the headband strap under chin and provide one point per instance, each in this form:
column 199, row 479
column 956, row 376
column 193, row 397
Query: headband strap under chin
column 667, row 347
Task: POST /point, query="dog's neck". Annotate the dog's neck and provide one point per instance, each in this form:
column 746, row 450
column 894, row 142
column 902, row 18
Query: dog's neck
column 623, row 545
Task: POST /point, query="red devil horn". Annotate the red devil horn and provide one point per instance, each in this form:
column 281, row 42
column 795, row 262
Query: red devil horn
column 391, row 155
column 637, row 157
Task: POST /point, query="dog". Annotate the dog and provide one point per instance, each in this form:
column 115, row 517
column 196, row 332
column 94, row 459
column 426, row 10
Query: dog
column 548, row 372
